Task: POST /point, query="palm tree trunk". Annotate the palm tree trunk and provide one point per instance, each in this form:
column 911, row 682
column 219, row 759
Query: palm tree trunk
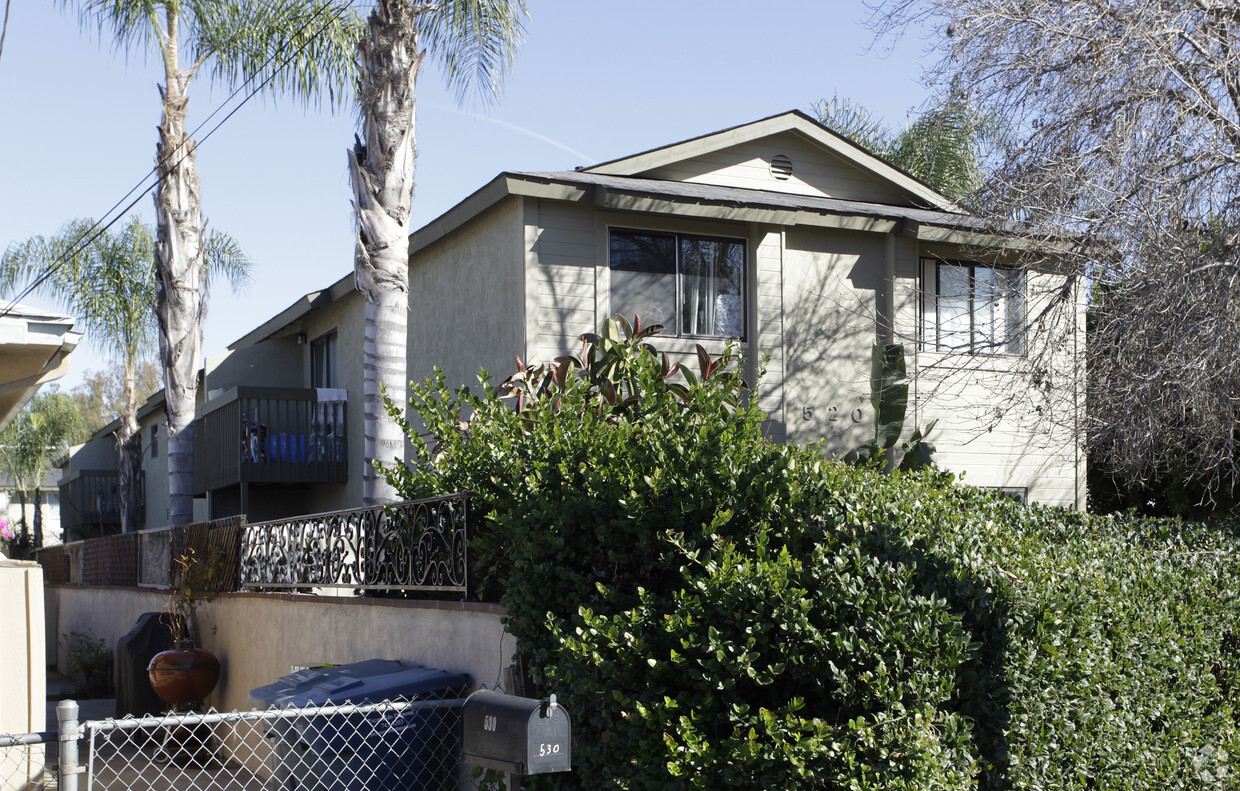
column 381, row 173
column 129, row 451
column 21, row 496
column 129, row 462
column 178, row 265
column 38, row 517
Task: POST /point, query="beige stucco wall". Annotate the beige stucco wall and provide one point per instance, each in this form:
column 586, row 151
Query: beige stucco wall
column 347, row 316
column 276, row 362
column 466, row 306
column 259, row 637
column 155, row 465
column 23, row 684
column 96, row 454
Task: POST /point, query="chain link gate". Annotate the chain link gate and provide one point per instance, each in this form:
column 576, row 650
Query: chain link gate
column 388, row 746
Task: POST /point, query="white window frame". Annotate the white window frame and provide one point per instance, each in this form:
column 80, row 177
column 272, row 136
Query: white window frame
column 329, row 343
column 1012, row 342
column 678, row 305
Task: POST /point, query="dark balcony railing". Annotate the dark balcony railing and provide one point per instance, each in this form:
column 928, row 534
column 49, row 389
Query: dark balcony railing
column 91, row 499
column 415, row 545
column 270, row 435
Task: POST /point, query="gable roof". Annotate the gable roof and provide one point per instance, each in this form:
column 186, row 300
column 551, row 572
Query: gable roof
column 793, row 121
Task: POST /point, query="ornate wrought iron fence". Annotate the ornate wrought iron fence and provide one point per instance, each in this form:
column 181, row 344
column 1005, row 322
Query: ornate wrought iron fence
column 415, row 545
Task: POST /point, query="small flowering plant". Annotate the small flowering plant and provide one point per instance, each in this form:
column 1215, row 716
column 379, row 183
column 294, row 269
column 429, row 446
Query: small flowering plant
column 5, row 531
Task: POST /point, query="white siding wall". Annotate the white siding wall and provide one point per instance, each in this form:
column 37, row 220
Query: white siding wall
column 561, row 259
column 812, row 306
column 815, row 171
column 992, row 426
column 766, row 312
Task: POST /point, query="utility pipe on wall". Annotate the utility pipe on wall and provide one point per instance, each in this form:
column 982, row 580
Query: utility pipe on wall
column 887, row 302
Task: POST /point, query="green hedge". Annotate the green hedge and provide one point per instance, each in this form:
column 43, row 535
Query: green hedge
column 720, row 612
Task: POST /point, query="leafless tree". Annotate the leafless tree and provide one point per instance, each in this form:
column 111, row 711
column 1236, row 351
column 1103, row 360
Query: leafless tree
column 1123, row 141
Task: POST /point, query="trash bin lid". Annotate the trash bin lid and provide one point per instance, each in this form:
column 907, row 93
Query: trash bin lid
column 411, row 681
column 288, row 686
column 341, row 733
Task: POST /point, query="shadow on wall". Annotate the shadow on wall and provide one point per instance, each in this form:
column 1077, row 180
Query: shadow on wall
column 829, row 330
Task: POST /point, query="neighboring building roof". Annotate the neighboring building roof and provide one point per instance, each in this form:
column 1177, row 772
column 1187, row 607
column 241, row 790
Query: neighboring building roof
column 34, row 349
column 51, row 480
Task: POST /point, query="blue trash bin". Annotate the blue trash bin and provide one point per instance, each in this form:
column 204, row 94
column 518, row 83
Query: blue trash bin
column 384, row 750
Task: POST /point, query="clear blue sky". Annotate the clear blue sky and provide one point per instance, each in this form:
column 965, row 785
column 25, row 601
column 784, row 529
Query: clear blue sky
column 592, row 82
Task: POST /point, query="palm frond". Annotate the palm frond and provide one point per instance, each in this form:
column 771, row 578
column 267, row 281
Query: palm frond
column 299, row 48
column 855, row 122
column 943, row 148
column 130, row 24
column 105, row 281
column 225, row 258
column 475, row 42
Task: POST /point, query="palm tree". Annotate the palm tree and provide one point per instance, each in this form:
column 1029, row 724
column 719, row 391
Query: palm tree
column 943, row 147
column 108, row 284
column 300, row 47
column 474, row 42
column 42, row 431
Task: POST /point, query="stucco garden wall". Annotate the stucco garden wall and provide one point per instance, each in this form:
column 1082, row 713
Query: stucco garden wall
column 23, row 690
column 261, row 636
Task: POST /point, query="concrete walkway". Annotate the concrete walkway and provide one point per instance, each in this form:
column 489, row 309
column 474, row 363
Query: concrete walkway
column 59, row 686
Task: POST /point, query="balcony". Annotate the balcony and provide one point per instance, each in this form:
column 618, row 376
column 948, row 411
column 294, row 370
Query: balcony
column 270, row 435
column 90, row 501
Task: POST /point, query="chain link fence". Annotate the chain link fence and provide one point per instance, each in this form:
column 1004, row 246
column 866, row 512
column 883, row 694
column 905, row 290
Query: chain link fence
column 23, row 762
column 401, row 744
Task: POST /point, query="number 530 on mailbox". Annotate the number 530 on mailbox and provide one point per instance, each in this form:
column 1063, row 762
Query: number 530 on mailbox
column 517, row 735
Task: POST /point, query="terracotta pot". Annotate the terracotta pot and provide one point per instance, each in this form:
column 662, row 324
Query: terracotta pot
column 183, row 675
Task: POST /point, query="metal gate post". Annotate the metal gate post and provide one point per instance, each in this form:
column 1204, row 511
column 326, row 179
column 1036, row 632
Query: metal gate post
column 67, row 764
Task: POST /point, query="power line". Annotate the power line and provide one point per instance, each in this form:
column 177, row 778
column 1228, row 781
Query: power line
column 83, row 242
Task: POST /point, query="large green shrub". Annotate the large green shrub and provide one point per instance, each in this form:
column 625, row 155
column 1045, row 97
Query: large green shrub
column 720, row 612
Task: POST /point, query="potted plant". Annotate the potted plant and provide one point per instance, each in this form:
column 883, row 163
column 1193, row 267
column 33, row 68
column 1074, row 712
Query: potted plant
column 186, row 673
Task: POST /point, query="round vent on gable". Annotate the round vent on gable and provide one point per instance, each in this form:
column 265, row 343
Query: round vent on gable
column 781, row 167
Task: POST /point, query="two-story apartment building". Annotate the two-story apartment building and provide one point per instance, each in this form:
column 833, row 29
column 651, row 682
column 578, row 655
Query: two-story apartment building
column 801, row 246
column 778, row 235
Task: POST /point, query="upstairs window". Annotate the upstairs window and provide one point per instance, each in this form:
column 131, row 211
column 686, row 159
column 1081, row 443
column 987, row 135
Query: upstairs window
column 693, row 285
column 323, row 371
column 973, row 308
